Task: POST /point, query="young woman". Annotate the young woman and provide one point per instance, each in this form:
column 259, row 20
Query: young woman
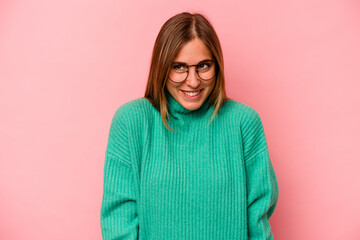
column 185, row 161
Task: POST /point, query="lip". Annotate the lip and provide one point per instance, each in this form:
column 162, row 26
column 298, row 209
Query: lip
column 194, row 97
column 192, row 91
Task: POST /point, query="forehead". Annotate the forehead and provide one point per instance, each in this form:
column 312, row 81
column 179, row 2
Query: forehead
column 193, row 52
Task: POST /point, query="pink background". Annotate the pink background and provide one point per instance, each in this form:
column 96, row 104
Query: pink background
column 65, row 66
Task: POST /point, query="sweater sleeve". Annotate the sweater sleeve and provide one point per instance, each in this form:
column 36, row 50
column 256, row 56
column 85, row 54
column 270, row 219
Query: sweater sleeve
column 261, row 182
column 118, row 215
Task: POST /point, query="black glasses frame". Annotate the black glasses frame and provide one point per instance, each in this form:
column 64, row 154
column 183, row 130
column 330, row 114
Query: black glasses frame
column 197, row 72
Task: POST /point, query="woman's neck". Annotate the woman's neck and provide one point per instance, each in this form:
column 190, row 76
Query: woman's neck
column 182, row 119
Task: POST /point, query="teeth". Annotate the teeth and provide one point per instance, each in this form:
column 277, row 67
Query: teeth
column 192, row 93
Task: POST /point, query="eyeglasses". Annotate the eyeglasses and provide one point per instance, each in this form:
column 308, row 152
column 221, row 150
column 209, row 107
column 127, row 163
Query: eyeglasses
column 180, row 71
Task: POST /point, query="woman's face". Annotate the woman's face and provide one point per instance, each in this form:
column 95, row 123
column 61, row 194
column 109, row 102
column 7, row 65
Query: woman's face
column 191, row 53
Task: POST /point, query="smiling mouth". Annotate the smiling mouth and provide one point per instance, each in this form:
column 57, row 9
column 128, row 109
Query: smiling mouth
column 192, row 93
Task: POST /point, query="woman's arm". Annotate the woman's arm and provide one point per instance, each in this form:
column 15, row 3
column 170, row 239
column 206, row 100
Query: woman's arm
column 118, row 216
column 262, row 186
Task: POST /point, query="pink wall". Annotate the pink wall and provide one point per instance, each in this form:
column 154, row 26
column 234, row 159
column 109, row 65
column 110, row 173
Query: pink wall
column 65, row 66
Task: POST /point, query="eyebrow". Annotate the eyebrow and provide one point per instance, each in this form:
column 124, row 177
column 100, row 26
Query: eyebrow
column 195, row 64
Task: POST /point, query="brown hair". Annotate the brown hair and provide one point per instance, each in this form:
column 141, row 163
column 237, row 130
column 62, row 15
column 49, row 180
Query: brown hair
column 176, row 32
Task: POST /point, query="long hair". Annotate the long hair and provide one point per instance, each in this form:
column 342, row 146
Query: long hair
column 176, row 32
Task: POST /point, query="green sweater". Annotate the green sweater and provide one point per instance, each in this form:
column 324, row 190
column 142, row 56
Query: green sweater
column 214, row 182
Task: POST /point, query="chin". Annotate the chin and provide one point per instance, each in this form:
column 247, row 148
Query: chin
column 191, row 106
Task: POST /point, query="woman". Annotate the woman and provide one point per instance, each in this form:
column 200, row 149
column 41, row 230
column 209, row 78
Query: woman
column 185, row 161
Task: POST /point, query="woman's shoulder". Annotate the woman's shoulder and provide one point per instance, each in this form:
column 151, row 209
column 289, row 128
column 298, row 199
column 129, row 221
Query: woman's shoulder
column 240, row 110
column 134, row 109
column 245, row 116
column 133, row 105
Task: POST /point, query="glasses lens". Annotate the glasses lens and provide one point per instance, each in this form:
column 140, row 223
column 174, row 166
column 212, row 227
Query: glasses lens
column 206, row 70
column 178, row 72
column 177, row 77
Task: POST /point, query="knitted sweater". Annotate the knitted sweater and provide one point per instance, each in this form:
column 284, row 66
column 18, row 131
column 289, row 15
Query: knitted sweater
column 200, row 182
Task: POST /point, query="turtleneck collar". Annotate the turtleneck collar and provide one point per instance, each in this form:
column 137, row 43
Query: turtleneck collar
column 182, row 119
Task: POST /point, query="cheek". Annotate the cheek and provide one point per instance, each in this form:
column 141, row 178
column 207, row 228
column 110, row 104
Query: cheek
column 210, row 85
column 170, row 86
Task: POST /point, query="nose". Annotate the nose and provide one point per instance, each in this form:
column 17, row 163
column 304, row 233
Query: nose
column 193, row 79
